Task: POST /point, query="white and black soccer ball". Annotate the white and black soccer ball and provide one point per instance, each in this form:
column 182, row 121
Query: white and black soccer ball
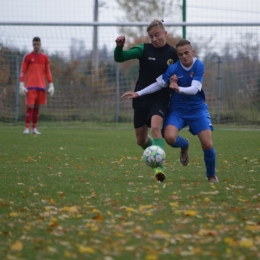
column 154, row 156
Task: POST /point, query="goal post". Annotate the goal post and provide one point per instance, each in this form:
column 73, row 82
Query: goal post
column 89, row 92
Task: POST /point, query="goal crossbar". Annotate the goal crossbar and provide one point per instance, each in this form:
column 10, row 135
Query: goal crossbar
column 2, row 23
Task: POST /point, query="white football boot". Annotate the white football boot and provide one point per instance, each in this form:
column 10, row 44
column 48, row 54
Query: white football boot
column 26, row 131
column 35, row 131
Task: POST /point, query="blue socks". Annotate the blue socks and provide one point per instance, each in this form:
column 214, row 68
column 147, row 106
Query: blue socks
column 180, row 142
column 210, row 162
column 209, row 156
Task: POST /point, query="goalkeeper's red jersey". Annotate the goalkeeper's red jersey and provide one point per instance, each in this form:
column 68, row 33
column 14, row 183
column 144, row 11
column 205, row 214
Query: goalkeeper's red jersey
column 35, row 67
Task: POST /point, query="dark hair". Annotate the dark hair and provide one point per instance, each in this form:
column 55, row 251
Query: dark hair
column 182, row 42
column 155, row 23
column 36, row 39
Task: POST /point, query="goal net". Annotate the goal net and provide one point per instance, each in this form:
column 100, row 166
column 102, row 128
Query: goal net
column 88, row 82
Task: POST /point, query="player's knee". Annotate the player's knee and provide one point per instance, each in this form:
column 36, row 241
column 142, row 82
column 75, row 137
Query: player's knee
column 169, row 136
column 155, row 130
column 170, row 139
column 207, row 145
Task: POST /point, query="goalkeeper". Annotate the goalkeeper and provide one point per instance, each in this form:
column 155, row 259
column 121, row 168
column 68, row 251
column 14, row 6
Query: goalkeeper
column 35, row 67
column 187, row 106
column 149, row 111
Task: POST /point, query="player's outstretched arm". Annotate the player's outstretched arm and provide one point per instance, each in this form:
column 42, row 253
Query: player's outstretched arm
column 130, row 95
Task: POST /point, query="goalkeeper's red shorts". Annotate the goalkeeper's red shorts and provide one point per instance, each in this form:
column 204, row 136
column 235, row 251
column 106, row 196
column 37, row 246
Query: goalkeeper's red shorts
column 35, row 97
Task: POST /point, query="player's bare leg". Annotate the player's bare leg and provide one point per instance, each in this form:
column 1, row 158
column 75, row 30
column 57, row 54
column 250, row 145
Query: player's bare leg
column 142, row 138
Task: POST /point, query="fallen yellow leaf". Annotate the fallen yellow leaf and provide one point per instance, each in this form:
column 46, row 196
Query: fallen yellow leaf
column 17, row 246
column 190, row 213
column 73, row 209
column 145, row 207
column 151, row 257
column 52, row 201
column 229, row 241
column 174, row 204
column 13, row 214
column 86, row 249
column 246, row 243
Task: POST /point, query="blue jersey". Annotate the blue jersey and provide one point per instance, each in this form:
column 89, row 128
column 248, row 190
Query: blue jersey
column 181, row 103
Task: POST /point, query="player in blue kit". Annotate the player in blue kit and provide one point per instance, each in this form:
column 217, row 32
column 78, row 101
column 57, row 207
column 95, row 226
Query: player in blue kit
column 187, row 106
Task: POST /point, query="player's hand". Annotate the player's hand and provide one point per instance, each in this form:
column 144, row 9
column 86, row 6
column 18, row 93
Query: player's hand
column 174, row 78
column 22, row 89
column 51, row 89
column 130, row 95
column 174, row 86
column 120, row 40
column 174, row 83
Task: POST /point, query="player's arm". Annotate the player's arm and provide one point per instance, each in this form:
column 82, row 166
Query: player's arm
column 148, row 90
column 24, row 67
column 161, row 82
column 23, row 70
column 165, row 79
column 191, row 90
column 48, row 71
column 49, row 77
column 196, row 83
column 134, row 53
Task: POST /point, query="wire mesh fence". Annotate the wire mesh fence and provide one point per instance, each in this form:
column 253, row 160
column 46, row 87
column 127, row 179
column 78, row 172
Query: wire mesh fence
column 88, row 83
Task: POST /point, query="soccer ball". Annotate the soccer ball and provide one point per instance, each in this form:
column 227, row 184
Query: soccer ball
column 154, row 156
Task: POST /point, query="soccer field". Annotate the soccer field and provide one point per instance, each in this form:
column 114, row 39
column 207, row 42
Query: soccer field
column 86, row 194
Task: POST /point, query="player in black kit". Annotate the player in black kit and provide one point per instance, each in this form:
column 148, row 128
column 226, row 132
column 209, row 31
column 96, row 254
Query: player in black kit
column 149, row 110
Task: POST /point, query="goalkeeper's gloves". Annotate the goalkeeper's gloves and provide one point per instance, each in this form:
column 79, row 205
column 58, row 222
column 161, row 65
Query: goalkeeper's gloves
column 51, row 89
column 22, row 89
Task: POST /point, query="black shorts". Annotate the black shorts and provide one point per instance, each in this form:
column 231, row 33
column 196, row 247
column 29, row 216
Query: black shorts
column 143, row 114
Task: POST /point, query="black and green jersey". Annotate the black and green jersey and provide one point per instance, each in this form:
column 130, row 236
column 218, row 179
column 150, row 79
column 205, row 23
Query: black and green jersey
column 153, row 62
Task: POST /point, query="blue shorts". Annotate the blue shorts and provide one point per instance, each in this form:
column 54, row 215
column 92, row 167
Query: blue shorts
column 196, row 122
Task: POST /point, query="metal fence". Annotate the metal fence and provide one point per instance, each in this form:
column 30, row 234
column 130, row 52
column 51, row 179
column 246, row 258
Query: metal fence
column 89, row 83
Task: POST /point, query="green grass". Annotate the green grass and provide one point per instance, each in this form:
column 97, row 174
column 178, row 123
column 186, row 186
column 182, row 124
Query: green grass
column 86, row 194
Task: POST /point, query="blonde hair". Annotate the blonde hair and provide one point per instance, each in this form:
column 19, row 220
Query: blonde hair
column 182, row 42
column 155, row 23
